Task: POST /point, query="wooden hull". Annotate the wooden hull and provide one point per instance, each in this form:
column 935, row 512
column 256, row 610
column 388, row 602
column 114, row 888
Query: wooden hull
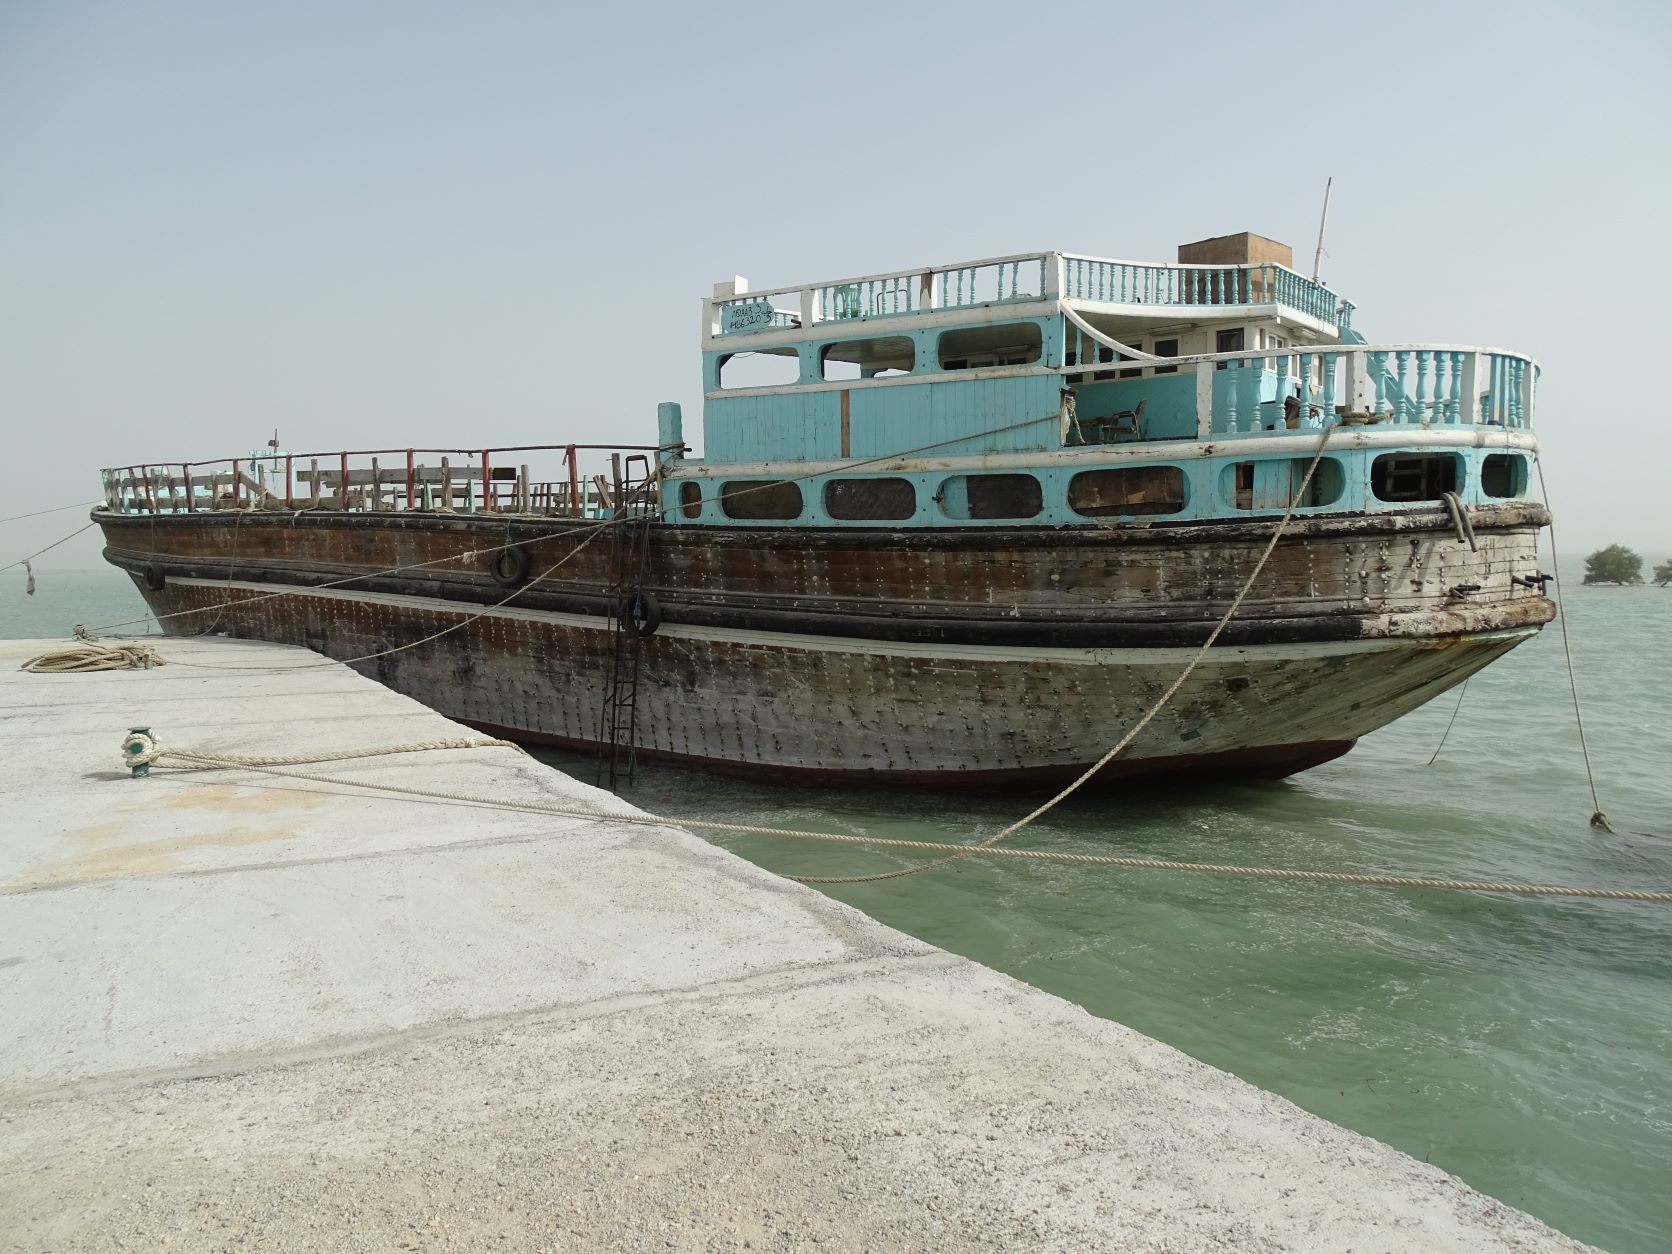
column 990, row 659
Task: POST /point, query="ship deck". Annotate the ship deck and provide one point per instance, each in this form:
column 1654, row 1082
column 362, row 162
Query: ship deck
column 242, row 1006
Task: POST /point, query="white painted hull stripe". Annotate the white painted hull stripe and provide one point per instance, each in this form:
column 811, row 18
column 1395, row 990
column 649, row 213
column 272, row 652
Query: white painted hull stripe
column 1171, row 656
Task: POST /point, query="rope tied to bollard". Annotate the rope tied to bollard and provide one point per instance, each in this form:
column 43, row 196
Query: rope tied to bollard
column 144, row 744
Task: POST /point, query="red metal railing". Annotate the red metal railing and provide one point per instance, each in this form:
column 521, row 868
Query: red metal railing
column 573, row 480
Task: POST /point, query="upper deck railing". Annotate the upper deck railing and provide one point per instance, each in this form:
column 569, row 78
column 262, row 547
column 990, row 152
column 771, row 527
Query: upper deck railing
column 554, row 480
column 1028, row 277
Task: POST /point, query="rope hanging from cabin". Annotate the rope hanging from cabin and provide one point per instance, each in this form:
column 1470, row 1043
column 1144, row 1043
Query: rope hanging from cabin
column 1133, row 732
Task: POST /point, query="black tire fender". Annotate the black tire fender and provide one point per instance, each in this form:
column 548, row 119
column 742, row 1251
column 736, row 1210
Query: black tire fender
column 509, row 567
column 642, row 613
column 153, row 576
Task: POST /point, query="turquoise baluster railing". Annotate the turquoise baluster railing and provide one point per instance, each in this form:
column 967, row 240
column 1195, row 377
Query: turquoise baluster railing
column 1401, row 396
column 1306, row 389
column 1282, row 381
column 1329, row 387
column 1379, row 376
column 1424, row 396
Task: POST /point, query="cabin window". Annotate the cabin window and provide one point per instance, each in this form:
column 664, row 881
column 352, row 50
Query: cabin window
column 868, row 359
column 1136, row 346
column 1166, row 348
column 771, row 500
column 760, row 369
column 1271, row 484
column 977, row 348
column 1270, row 341
column 991, row 497
column 1503, row 474
column 1230, row 340
column 690, row 499
column 1413, row 476
column 854, row 500
column 1127, row 490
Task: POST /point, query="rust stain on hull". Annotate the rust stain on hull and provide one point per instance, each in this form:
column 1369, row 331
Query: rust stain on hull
column 990, row 658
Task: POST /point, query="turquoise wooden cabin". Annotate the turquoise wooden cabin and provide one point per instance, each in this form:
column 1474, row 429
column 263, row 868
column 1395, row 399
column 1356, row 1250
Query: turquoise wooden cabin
column 1053, row 389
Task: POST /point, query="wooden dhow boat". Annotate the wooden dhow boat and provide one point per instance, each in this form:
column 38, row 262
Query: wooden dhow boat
column 955, row 526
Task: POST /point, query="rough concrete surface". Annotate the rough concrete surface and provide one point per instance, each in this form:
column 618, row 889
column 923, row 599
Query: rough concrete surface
column 245, row 1013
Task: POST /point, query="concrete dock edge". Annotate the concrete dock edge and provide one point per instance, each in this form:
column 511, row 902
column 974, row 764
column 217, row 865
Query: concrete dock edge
column 238, row 1011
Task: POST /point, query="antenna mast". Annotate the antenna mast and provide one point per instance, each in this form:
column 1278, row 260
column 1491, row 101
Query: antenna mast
column 1318, row 257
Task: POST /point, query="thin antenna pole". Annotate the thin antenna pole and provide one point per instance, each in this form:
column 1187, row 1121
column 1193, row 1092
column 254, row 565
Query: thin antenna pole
column 1318, row 257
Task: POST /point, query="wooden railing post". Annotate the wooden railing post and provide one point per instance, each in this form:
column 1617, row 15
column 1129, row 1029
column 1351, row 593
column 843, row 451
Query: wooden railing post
column 411, row 482
column 289, row 482
column 342, row 485
column 574, row 483
column 487, row 484
column 191, row 495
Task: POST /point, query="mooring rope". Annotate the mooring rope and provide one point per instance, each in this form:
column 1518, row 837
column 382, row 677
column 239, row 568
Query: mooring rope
column 1450, row 723
column 208, row 761
column 1598, row 818
column 56, row 509
column 22, row 561
column 1133, row 732
column 141, row 749
column 411, row 644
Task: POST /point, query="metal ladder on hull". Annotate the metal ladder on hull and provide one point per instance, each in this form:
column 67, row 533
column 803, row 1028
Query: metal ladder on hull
column 629, row 565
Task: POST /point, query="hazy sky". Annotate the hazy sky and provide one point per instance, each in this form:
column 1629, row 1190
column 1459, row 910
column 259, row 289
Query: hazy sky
column 387, row 224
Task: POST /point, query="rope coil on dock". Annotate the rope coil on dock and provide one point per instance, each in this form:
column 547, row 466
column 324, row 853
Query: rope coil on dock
column 78, row 658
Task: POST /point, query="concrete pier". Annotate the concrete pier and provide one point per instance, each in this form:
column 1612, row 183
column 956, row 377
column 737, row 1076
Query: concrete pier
column 238, row 1011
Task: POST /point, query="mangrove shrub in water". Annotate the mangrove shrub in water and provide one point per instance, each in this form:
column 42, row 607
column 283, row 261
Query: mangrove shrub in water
column 1615, row 564
column 1663, row 574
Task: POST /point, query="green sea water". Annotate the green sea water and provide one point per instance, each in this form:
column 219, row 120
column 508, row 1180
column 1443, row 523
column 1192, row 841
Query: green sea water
column 1525, row 1045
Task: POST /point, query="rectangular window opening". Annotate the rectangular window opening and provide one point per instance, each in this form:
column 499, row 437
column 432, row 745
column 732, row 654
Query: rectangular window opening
column 1232, row 340
column 1005, row 344
column 769, row 500
column 870, row 500
column 880, row 358
column 995, row 496
column 761, row 368
column 1413, row 476
column 1127, row 490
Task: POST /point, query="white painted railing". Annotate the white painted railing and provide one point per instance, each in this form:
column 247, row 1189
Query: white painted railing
column 1024, row 277
column 1365, row 384
column 1097, row 279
